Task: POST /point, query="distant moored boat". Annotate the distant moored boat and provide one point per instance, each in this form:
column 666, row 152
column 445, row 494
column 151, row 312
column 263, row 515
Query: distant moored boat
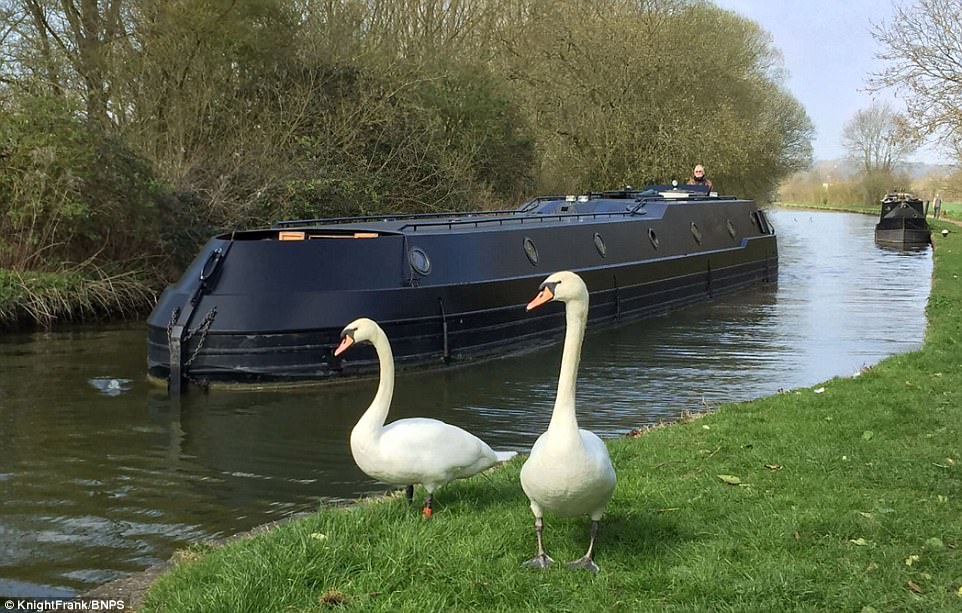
column 902, row 221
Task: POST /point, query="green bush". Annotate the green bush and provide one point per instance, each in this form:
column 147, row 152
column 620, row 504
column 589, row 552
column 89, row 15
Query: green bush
column 70, row 193
column 370, row 142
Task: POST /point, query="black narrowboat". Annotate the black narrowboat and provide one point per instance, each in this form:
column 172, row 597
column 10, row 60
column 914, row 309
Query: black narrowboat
column 268, row 305
column 902, row 222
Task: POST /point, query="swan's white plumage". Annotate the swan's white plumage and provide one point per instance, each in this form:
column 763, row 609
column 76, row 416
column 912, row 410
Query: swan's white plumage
column 421, row 450
column 413, row 450
column 569, row 471
column 569, row 477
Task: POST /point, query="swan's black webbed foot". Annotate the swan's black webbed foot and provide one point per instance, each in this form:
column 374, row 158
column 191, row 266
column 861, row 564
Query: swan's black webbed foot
column 539, row 561
column 585, row 563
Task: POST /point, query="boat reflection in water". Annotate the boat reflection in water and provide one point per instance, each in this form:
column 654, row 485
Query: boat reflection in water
column 268, row 305
column 902, row 222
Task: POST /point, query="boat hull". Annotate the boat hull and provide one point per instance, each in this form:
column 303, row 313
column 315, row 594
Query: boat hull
column 273, row 312
column 903, row 237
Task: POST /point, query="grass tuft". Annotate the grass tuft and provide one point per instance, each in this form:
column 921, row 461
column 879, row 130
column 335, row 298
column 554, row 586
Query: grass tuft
column 45, row 298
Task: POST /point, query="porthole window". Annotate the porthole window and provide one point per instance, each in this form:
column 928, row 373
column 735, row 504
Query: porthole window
column 419, row 260
column 531, row 251
column 695, row 232
column 600, row 246
column 731, row 228
column 754, row 219
column 653, row 238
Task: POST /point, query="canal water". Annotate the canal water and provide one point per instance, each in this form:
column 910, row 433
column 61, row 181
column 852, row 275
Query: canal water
column 102, row 475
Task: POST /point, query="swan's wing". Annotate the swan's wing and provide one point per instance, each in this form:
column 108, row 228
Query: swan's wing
column 436, row 448
column 427, row 431
column 593, row 444
column 596, row 449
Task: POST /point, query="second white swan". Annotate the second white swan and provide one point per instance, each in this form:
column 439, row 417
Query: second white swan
column 413, row 450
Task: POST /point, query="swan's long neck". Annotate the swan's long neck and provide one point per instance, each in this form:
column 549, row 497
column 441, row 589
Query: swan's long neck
column 373, row 419
column 563, row 417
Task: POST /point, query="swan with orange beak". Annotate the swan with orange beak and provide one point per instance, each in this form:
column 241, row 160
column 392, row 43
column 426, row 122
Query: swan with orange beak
column 569, row 471
column 414, row 450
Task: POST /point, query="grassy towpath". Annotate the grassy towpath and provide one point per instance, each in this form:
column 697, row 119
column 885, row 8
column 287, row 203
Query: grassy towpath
column 846, row 496
column 951, row 211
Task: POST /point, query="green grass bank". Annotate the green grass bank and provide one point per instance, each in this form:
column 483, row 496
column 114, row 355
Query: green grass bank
column 846, row 496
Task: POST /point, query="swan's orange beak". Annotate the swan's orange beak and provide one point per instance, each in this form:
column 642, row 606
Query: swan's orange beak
column 545, row 295
column 346, row 342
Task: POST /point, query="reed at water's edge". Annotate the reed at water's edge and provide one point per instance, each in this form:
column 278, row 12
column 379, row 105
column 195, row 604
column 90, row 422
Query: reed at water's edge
column 840, row 497
column 42, row 299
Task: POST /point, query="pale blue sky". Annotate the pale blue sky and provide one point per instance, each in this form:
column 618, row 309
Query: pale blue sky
column 829, row 52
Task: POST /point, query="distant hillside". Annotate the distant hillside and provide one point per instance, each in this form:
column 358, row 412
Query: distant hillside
column 840, row 182
column 845, row 168
column 917, row 170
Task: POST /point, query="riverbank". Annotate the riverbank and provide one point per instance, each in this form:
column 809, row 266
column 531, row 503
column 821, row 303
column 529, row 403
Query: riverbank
column 951, row 211
column 845, row 496
column 41, row 299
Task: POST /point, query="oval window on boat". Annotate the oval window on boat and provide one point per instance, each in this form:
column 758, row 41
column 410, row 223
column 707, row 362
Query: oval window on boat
column 653, row 238
column 531, row 251
column 696, row 233
column 600, row 245
column 731, row 227
column 419, row 260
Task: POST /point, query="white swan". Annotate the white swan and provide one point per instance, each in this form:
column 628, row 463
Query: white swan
column 414, row 450
column 568, row 472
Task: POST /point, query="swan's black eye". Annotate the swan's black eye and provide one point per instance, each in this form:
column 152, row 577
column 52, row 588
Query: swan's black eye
column 349, row 332
column 550, row 286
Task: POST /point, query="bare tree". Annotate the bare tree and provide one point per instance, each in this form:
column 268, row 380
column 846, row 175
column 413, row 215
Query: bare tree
column 922, row 46
column 71, row 39
column 878, row 138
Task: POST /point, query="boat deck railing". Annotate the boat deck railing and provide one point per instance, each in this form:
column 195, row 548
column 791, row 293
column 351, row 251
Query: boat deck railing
column 530, row 218
column 396, row 217
column 475, row 218
column 522, row 215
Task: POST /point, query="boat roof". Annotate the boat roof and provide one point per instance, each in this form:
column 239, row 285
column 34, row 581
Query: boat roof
column 625, row 202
